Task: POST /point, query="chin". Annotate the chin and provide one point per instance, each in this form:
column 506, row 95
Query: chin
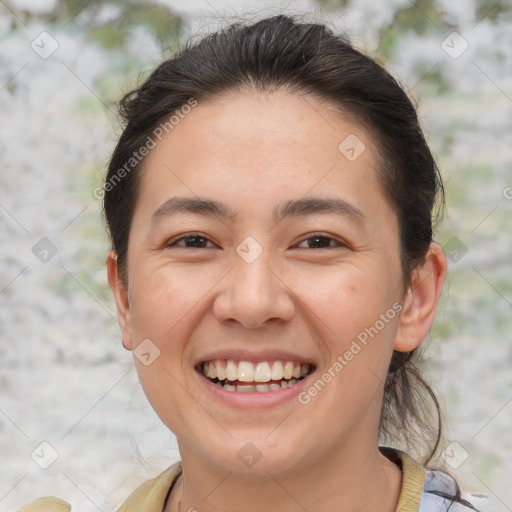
column 255, row 458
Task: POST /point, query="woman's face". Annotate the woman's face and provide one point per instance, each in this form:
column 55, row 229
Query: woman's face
column 262, row 244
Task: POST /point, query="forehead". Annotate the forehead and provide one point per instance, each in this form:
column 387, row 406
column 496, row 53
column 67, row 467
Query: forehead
column 249, row 145
column 280, row 121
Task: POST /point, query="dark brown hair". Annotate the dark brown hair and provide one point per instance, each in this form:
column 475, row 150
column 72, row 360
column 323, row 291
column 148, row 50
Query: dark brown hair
column 308, row 58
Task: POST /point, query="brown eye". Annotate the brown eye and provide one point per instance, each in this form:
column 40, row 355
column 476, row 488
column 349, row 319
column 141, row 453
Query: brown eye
column 191, row 241
column 321, row 242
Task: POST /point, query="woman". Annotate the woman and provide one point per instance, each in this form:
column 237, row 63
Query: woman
column 270, row 206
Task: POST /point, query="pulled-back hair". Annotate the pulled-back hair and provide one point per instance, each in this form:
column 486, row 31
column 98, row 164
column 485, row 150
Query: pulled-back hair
column 281, row 53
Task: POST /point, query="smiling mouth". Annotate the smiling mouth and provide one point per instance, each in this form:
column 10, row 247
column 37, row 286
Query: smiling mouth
column 247, row 377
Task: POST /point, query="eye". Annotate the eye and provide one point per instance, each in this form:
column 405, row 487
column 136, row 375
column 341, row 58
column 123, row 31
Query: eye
column 321, row 241
column 190, row 241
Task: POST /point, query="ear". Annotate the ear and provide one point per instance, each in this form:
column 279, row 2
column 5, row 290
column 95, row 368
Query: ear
column 421, row 300
column 120, row 292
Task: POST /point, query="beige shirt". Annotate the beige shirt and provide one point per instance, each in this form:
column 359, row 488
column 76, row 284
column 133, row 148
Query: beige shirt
column 152, row 495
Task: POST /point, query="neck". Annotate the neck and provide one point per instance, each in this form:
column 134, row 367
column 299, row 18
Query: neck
column 357, row 479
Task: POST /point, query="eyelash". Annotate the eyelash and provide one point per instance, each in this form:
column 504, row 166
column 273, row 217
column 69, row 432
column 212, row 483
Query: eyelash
column 173, row 243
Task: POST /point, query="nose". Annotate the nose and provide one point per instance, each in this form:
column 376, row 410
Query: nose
column 254, row 294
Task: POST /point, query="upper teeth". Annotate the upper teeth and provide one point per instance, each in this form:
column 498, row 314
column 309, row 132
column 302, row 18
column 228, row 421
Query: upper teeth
column 246, row 371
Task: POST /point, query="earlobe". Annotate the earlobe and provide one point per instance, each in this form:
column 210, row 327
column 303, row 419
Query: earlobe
column 120, row 292
column 421, row 301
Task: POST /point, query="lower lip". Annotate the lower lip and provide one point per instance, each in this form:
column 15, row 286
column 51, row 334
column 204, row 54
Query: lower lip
column 257, row 399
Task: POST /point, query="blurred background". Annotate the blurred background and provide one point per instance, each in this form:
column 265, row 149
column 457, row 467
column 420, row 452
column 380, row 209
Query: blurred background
column 74, row 421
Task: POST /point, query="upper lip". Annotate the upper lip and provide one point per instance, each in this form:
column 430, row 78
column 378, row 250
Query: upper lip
column 255, row 356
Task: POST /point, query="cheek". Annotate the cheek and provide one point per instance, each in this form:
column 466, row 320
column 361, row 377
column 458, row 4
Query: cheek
column 162, row 299
column 167, row 305
column 162, row 303
column 346, row 299
column 358, row 321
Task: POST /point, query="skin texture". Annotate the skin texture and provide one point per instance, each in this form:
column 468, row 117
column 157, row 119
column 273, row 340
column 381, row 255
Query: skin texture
column 253, row 152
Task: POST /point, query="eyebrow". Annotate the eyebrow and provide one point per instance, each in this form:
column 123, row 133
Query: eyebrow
column 293, row 208
column 316, row 205
column 197, row 205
